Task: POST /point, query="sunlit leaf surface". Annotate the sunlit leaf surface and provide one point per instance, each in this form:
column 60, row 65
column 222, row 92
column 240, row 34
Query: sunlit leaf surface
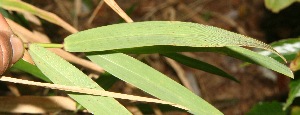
column 151, row 81
column 62, row 72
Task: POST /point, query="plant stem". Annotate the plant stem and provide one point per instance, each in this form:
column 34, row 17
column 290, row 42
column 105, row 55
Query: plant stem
column 45, row 45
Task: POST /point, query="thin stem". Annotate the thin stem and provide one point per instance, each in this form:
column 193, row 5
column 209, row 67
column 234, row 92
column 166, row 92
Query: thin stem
column 45, row 45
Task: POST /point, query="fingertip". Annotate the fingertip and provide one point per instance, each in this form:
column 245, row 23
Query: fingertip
column 18, row 48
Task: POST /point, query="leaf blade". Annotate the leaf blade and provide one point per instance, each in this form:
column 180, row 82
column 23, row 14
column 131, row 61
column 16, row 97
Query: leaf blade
column 61, row 72
column 146, row 78
column 236, row 52
column 21, row 6
column 265, row 61
column 29, row 68
column 153, row 33
column 197, row 64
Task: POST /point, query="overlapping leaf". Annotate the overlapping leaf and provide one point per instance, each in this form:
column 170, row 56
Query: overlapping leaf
column 162, row 37
column 233, row 51
column 151, row 81
column 197, row 64
column 61, row 72
column 155, row 33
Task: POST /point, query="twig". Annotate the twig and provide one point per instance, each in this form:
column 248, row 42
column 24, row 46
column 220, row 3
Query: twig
column 89, row 91
column 191, row 14
column 90, row 20
column 180, row 72
column 77, row 4
column 112, row 4
column 63, row 10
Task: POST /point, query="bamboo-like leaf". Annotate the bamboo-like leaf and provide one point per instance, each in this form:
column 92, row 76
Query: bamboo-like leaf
column 294, row 92
column 162, row 37
column 20, row 6
column 61, row 72
column 255, row 58
column 155, row 33
column 236, row 52
column 151, row 81
column 197, row 64
column 277, row 5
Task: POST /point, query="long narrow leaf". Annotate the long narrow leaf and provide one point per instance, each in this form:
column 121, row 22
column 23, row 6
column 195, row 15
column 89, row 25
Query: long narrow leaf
column 61, row 72
column 155, row 33
column 197, row 64
column 236, row 52
column 255, row 58
column 151, row 81
column 20, row 6
column 162, row 37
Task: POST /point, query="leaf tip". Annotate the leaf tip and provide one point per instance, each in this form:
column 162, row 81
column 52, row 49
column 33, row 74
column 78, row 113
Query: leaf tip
column 292, row 74
column 277, row 53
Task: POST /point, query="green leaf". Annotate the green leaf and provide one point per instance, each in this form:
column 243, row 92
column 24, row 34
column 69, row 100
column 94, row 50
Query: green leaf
column 161, row 37
column 151, row 81
column 255, row 58
column 153, row 33
column 20, row 6
column 267, row 108
column 236, row 52
column 294, row 92
column 61, row 72
column 197, row 64
column 106, row 80
column 29, row 68
column 277, row 5
column 287, row 47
